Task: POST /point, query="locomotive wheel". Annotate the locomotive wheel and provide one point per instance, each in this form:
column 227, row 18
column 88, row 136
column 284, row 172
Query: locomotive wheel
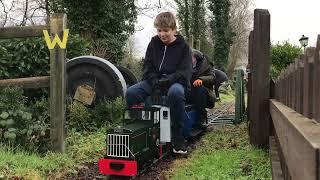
column 99, row 78
column 128, row 76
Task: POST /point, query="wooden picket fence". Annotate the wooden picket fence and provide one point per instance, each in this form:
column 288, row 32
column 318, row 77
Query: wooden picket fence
column 284, row 115
column 296, row 115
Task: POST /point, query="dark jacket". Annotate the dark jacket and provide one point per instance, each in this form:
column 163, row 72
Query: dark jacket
column 173, row 60
column 220, row 77
column 204, row 70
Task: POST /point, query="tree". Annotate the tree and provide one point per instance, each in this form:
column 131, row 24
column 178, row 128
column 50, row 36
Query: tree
column 106, row 23
column 282, row 54
column 240, row 22
column 192, row 18
column 221, row 31
column 21, row 13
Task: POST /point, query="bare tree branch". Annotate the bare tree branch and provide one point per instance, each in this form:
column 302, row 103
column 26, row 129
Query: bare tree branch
column 32, row 14
column 240, row 22
column 5, row 14
column 24, row 19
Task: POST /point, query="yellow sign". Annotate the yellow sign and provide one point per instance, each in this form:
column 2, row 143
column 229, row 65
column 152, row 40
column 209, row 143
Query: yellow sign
column 56, row 39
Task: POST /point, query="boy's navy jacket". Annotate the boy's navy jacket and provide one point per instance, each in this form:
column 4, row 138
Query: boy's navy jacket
column 174, row 60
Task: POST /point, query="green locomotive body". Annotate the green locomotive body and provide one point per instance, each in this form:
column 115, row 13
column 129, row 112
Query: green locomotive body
column 134, row 144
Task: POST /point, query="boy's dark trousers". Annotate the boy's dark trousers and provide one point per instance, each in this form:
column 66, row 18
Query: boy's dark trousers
column 199, row 97
column 176, row 99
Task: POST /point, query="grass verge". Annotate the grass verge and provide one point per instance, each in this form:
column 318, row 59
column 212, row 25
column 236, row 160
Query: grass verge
column 81, row 149
column 223, row 154
column 227, row 98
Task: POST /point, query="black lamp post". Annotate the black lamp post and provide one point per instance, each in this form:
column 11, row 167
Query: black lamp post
column 304, row 42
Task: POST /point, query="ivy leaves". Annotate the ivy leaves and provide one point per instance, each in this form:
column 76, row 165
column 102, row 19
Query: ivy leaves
column 221, row 30
column 8, row 122
column 19, row 123
column 30, row 57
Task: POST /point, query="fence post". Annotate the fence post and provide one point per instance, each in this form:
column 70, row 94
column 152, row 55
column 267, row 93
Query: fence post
column 191, row 41
column 57, row 84
column 286, row 85
column 249, row 69
column 292, row 84
column 296, row 84
column 198, row 45
column 260, row 115
column 300, row 85
column 307, row 83
column 239, row 110
column 280, row 87
column 316, row 84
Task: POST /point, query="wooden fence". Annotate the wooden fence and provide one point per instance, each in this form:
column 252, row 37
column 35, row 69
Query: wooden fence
column 295, row 113
column 293, row 130
column 258, row 79
column 57, row 79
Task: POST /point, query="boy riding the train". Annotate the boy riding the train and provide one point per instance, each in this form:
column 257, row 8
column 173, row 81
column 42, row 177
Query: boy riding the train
column 168, row 59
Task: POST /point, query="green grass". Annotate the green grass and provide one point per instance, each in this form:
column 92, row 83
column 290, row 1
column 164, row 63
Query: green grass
column 226, row 98
column 81, row 149
column 31, row 166
column 223, row 154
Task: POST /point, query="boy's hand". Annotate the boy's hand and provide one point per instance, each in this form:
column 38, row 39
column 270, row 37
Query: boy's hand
column 197, row 83
column 163, row 82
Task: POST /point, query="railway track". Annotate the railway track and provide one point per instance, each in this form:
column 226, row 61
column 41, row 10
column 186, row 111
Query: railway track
column 224, row 114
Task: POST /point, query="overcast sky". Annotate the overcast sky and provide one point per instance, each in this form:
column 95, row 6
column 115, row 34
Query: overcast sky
column 290, row 19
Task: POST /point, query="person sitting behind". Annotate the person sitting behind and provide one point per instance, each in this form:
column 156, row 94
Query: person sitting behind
column 202, row 94
column 220, row 78
column 167, row 59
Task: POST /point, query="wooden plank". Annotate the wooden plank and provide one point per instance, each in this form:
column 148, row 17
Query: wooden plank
column 259, row 121
column 57, row 84
column 282, row 83
column 284, row 167
column 299, row 139
column 287, row 86
column 272, row 89
column 276, row 170
column 300, row 89
column 316, row 83
column 31, row 82
column 292, row 84
column 283, row 87
column 277, row 88
column 307, row 83
column 296, row 84
column 249, row 68
column 22, row 31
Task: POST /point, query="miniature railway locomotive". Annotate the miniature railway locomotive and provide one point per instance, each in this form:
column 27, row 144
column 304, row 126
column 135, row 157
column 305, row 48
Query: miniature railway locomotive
column 144, row 137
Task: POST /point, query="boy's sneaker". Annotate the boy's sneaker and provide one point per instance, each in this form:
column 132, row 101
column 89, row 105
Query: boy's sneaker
column 180, row 148
column 180, row 151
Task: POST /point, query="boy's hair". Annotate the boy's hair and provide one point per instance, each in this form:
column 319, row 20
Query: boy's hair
column 165, row 20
